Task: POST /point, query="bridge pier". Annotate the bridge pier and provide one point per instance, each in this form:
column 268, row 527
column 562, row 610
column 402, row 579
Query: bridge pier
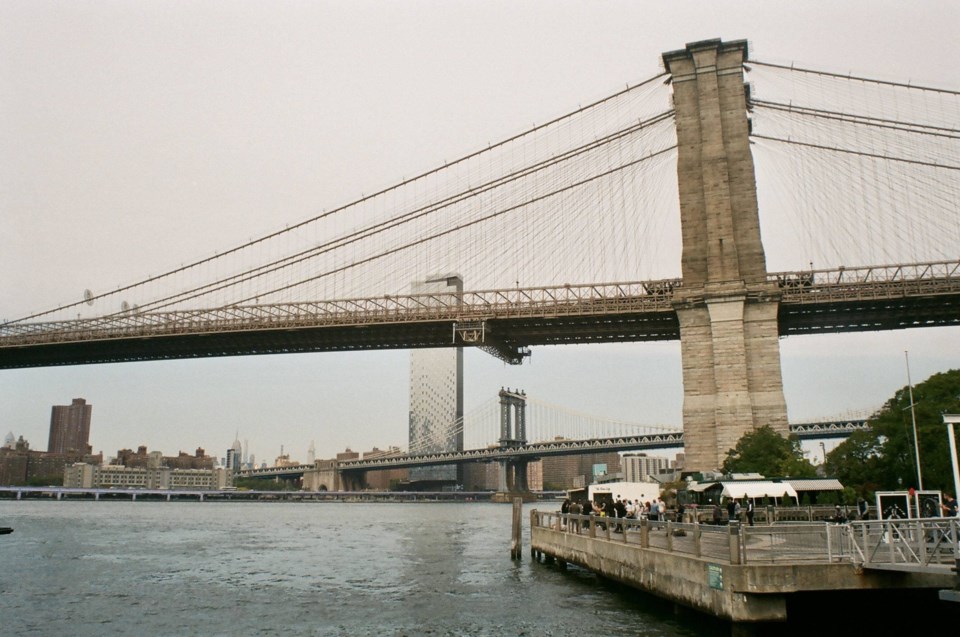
column 726, row 308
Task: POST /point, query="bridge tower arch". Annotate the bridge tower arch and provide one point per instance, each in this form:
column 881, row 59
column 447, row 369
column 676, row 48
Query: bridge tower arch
column 513, row 433
column 726, row 308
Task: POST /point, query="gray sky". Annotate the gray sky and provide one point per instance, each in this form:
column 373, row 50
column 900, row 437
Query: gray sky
column 138, row 135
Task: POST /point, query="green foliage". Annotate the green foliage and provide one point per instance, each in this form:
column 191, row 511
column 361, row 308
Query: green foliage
column 828, row 497
column 883, row 457
column 265, row 484
column 55, row 480
column 669, row 491
column 849, row 495
column 766, row 452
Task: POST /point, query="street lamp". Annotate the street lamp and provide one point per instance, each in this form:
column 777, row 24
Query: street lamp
column 913, row 417
column 950, row 420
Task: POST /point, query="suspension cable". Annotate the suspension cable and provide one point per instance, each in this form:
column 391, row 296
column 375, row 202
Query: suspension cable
column 866, row 120
column 854, row 77
column 351, row 204
column 856, row 152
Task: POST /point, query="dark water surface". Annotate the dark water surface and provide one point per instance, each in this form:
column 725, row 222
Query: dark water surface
column 191, row 568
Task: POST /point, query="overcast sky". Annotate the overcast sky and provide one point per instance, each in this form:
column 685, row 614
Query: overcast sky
column 138, row 135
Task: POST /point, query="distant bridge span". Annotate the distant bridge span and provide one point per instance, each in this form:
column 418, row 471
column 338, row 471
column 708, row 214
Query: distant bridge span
column 668, row 440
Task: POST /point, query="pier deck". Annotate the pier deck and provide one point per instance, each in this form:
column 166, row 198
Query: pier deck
column 743, row 574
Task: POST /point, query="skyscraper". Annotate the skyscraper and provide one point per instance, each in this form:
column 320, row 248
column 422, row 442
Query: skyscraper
column 234, row 457
column 436, row 396
column 70, row 428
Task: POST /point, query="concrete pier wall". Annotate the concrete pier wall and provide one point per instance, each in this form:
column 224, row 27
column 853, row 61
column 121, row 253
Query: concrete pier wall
column 723, row 588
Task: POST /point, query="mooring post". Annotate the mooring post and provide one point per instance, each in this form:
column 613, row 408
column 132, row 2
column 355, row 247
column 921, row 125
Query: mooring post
column 516, row 547
column 734, row 529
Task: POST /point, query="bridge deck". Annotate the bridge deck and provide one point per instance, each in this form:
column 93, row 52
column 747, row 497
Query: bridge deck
column 505, row 322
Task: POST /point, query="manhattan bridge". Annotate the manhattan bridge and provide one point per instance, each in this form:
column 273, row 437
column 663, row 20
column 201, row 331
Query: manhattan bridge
column 644, row 216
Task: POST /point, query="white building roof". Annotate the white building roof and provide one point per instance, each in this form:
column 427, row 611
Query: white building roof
column 818, row 484
column 757, row 489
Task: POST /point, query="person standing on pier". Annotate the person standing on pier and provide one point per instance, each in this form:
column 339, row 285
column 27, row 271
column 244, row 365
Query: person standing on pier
column 750, row 511
column 949, row 506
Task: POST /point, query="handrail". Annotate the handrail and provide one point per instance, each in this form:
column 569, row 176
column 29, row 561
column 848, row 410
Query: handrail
column 919, row 543
column 928, row 544
column 800, row 287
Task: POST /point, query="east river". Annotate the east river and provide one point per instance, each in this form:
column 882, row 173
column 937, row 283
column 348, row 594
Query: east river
column 192, row 568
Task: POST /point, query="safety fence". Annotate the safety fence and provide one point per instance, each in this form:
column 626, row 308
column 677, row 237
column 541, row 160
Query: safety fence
column 929, row 544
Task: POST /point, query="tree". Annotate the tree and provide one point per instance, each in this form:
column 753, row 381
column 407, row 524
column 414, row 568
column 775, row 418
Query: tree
column 856, row 463
column 883, row 457
column 766, row 452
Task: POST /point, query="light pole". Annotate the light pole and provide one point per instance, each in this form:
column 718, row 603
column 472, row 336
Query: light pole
column 913, row 417
column 950, row 420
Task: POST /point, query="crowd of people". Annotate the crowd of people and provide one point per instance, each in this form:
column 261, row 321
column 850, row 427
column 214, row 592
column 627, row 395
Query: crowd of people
column 656, row 510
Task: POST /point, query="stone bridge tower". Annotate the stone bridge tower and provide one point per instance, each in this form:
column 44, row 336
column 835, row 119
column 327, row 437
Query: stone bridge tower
column 727, row 310
column 513, row 433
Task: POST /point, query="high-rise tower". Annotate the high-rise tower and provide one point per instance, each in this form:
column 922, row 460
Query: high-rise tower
column 70, row 428
column 436, row 395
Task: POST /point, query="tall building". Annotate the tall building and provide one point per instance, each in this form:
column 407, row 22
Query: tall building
column 436, row 397
column 70, row 428
column 569, row 471
column 234, row 458
column 385, row 479
column 638, row 467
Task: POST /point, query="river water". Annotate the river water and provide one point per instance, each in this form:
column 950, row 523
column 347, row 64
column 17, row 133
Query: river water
column 211, row 568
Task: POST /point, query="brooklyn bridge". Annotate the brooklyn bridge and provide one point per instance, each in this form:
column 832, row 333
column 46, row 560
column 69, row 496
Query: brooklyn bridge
column 553, row 230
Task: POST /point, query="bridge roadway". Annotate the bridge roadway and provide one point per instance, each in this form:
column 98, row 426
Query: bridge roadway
column 504, row 322
column 665, row 440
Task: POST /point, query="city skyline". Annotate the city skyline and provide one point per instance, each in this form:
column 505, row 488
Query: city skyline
column 220, row 122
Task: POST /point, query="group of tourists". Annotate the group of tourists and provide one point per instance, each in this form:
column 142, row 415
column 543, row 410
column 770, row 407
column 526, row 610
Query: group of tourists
column 654, row 510
column 736, row 511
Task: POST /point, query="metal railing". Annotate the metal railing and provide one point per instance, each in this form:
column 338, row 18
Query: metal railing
column 909, row 545
column 562, row 300
column 801, row 287
column 926, row 544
